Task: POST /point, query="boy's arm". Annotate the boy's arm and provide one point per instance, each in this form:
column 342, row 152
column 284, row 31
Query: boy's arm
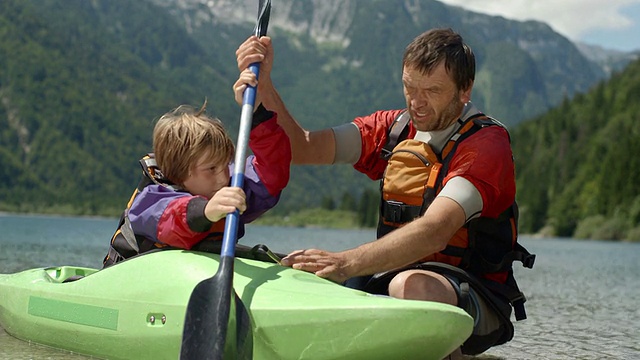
column 169, row 217
column 272, row 151
column 267, row 170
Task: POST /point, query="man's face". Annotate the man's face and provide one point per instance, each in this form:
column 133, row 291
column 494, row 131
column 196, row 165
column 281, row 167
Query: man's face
column 433, row 100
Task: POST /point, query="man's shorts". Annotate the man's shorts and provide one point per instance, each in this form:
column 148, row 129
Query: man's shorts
column 485, row 319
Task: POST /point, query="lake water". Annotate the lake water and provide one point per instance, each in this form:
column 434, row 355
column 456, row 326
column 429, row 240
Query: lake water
column 583, row 296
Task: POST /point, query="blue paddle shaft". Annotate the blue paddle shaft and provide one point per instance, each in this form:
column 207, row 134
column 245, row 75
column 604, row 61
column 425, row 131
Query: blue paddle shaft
column 237, row 179
column 209, row 308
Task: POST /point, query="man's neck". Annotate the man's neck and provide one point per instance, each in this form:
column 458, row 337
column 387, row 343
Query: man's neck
column 438, row 139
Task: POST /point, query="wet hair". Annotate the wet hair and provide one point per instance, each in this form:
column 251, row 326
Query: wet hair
column 430, row 48
column 183, row 135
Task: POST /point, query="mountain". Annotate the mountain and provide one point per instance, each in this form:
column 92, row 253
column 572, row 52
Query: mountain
column 524, row 68
column 609, row 60
column 82, row 82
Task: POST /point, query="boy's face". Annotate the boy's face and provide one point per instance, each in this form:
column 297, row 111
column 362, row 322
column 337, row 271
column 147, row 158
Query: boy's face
column 207, row 177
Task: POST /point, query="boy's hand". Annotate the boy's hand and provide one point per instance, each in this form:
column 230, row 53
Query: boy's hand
column 247, row 77
column 225, row 201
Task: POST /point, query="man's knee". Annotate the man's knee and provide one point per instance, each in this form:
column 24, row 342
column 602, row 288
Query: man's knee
column 422, row 285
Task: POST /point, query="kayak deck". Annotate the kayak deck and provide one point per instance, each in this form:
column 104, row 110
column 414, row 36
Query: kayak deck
column 136, row 309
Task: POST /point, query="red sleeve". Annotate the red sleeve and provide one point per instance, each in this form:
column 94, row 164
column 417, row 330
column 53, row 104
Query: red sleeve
column 173, row 227
column 486, row 160
column 272, row 150
column 374, row 131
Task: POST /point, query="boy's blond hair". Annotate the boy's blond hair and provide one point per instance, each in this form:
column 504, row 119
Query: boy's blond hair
column 182, row 136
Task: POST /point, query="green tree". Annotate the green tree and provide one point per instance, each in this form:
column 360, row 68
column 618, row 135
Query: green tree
column 348, row 202
column 328, row 203
column 368, row 208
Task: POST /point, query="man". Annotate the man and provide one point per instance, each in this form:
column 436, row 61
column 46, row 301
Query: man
column 457, row 247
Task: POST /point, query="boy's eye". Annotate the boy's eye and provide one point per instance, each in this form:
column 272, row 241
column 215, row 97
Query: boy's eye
column 216, row 169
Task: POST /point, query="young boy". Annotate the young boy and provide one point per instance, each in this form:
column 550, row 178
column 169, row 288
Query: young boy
column 184, row 195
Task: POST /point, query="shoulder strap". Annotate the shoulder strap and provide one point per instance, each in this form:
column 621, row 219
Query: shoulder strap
column 153, row 174
column 468, row 127
column 397, row 132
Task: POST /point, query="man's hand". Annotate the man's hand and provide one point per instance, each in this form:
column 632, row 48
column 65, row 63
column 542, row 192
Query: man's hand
column 332, row 266
column 256, row 50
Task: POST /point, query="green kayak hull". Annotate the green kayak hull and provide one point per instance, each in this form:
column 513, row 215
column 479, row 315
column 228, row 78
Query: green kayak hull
column 136, row 310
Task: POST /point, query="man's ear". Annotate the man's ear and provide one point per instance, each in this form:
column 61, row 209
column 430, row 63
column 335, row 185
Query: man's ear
column 465, row 95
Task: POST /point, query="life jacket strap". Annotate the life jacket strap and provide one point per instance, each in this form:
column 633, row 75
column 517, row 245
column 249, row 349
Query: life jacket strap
column 399, row 130
column 398, row 212
column 455, row 251
column 511, row 291
column 113, row 256
column 153, row 174
column 518, row 254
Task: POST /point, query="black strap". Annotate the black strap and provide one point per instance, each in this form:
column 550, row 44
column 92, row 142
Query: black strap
column 463, row 297
column 113, row 256
column 258, row 252
column 127, row 232
column 153, row 174
column 398, row 212
column 511, row 291
column 519, row 253
column 398, row 131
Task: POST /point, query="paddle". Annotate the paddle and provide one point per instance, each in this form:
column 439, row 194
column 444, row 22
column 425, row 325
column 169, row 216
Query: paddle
column 206, row 321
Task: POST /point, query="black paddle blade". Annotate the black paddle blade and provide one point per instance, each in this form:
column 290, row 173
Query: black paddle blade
column 207, row 318
column 244, row 332
column 264, row 12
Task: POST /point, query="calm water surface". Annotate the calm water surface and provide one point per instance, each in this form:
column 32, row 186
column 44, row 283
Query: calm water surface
column 583, row 296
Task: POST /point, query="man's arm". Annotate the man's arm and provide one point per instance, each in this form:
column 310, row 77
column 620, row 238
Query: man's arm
column 307, row 147
column 420, row 238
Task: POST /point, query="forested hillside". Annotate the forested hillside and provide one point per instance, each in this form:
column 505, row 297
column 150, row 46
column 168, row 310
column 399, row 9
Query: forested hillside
column 578, row 165
column 80, row 85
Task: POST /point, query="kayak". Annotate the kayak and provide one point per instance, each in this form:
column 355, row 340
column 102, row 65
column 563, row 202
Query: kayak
column 136, row 309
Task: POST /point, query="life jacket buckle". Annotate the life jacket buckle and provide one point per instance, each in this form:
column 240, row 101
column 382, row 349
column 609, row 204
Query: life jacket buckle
column 518, row 306
column 394, row 211
column 385, row 154
column 520, row 298
column 528, row 261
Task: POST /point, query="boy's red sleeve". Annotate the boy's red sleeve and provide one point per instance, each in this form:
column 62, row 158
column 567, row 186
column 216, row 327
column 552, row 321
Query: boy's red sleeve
column 182, row 224
column 272, row 150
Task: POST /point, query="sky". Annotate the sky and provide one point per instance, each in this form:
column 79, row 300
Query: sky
column 612, row 24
